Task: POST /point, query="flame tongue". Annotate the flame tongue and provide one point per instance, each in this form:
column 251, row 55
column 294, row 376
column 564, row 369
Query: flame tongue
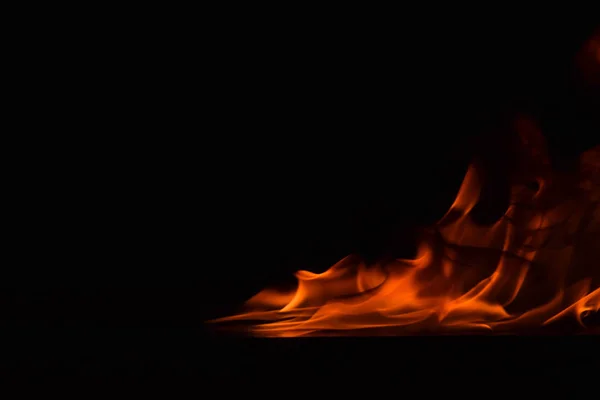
column 536, row 266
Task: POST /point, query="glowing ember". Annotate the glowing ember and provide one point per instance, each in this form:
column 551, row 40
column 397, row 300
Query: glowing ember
column 536, row 266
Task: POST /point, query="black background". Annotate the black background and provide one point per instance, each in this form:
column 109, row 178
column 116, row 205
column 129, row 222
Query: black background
column 213, row 162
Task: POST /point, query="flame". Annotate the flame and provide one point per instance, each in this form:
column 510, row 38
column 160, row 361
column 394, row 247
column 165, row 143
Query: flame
column 536, row 267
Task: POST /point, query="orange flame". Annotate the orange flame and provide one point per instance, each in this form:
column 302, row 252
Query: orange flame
column 537, row 265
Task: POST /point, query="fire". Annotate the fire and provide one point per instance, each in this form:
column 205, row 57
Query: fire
column 538, row 266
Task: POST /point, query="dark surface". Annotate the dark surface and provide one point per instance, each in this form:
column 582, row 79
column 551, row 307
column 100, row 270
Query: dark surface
column 284, row 363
